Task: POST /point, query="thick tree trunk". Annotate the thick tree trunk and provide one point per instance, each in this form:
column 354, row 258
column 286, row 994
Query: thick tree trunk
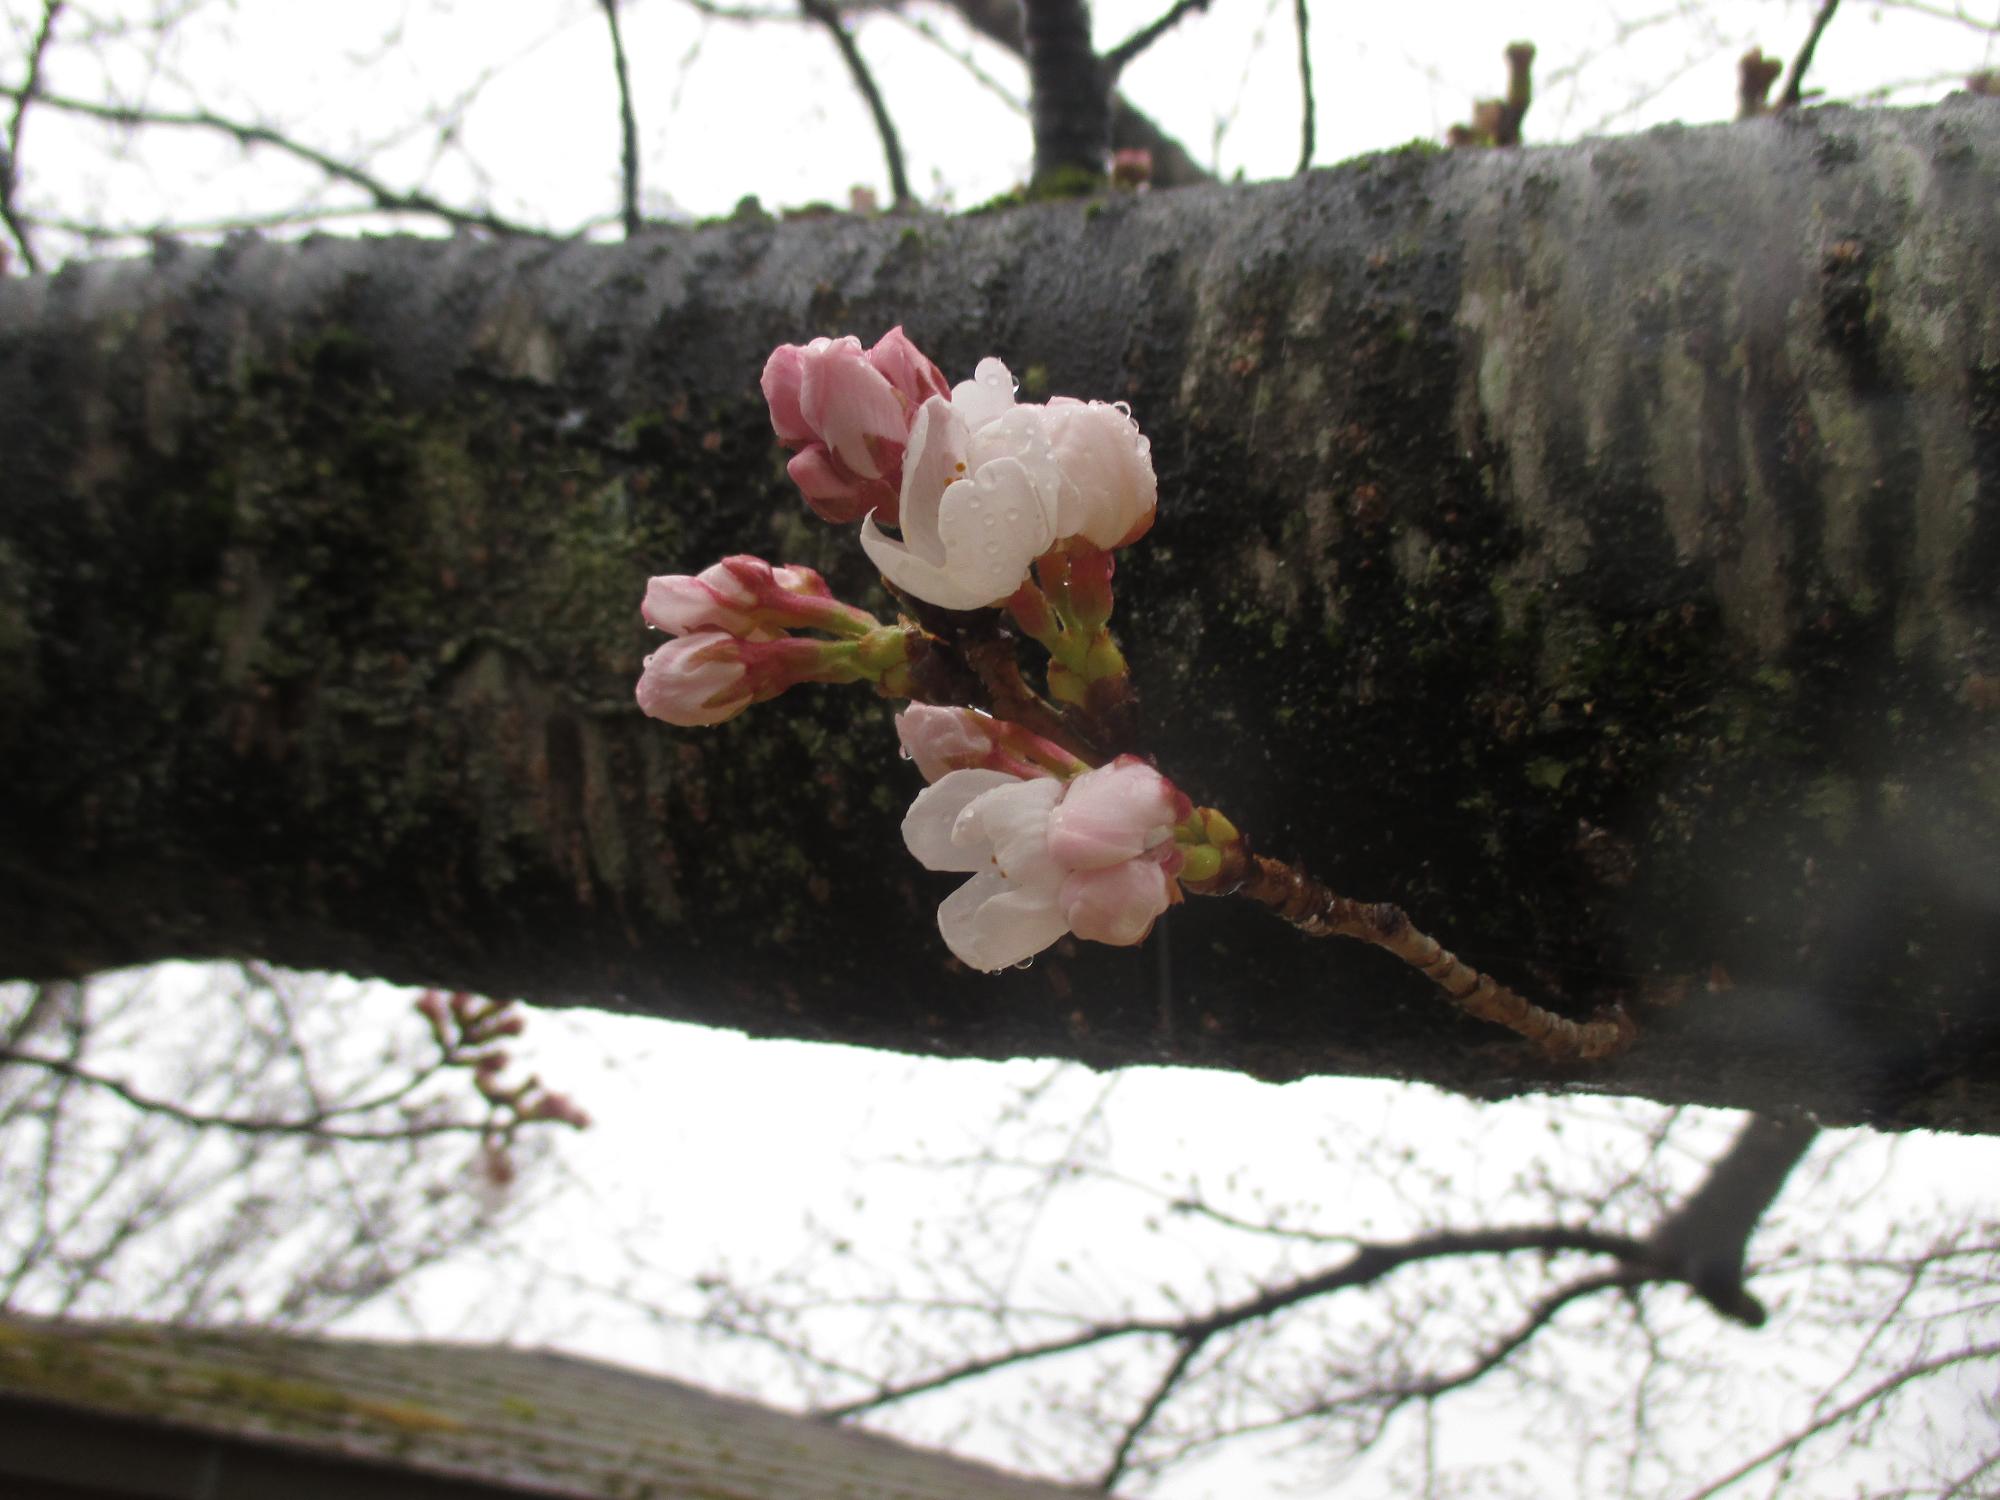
column 1593, row 550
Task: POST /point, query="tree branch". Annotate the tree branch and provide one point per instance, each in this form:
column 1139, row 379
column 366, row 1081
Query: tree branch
column 1115, row 60
column 1886, row 1386
column 1143, row 1418
column 1305, row 87
column 313, row 1125
column 892, row 148
column 384, row 197
column 1368, row 1264
column 1789, row 99
column 10, row 159
column 628, row 122
column 1705, row 1240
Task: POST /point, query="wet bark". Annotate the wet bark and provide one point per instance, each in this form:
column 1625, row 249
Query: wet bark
column 1591, row 550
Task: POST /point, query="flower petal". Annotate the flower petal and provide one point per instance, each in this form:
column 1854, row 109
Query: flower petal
column 846, row 401
column 987, row 397
column 1010, row 824
column 927, row 826
column 991, row 924
column 1112, row 813
column 934, row 459
column 1118, row 905
column 992, row 526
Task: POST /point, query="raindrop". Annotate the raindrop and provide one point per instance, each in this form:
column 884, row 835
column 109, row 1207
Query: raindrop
column 995, row 520
column 992, row 549
column 1026, row 963
column 1013, row 514
column 904, row 752
column 972, row 503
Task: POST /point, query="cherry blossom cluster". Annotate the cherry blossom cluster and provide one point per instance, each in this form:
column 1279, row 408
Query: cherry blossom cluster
column 996, row 504
column 1008, row 516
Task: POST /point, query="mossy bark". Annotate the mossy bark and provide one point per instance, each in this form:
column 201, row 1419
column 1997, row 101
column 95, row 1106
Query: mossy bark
column 1593, row 550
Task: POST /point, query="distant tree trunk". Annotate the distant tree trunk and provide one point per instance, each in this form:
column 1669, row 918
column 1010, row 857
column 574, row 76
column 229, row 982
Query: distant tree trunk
column 1595, row 550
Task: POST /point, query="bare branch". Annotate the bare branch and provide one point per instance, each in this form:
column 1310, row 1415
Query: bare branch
column 1370, row 1263
column 1116, row 59
column 627, row 121
column 1789, row 98
column 1162, row 1388
column 892, row 149
column 1305, row 87
column 313, row 1125
column 1704, row 1241
column 10, row 162
column 1887, row 1386
column 384, row 197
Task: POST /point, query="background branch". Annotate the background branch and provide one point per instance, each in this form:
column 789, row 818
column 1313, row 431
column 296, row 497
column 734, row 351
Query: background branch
column 627, row 122
column 380, row 194
column 10, row 157
column 892, row 148
column 1789, row 98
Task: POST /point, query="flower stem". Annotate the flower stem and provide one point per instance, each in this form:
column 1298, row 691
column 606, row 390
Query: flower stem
column 1318, row 911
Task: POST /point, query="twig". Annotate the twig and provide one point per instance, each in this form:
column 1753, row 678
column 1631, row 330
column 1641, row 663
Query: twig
column 243, row 1125
column 1115, row 60
column 627, row 121
column 1882, row 1388
column 1305, row 87
column 1318, row 911
column 10, row 164
column 383, row 196
column 1143, row 1418
column 1367, row 1265
column 1789, row 99
column 892, row 148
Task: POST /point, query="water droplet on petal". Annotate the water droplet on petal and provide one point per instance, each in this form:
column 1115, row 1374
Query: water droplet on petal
column 992, row 548
column 1013, row 513
column 904, row 752
column 995, row 520
column 1026, row 963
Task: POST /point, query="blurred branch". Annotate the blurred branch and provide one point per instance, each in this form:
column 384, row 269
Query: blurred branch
column 1956, row 13
column 1368, row 1264
column 1305, row 87
column 1789, row 99
column 1847, row 1410
column 1704, row 1241
column 10, row 160
column 384, row 197
column 963, row 58
column 892, row 149
column 315, row 1124
column 628, row 124
column 1116, row 59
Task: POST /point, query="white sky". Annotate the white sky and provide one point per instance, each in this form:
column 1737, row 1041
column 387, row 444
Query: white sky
column 710, row 1148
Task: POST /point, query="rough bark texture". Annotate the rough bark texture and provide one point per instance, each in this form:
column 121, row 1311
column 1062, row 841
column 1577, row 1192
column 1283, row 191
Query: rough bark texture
column 1593, row 550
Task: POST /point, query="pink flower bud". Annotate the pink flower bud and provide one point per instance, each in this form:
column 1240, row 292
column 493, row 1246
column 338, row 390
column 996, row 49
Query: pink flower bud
column 942, row 739
column 1114, row 813
column 695, row 679
column 746, row 597
column 713, row 599
column 848, row 412
column 906, row 368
